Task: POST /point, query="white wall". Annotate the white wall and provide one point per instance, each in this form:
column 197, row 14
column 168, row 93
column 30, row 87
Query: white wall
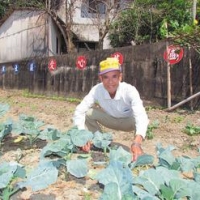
column 22, row 35
column 53, row 36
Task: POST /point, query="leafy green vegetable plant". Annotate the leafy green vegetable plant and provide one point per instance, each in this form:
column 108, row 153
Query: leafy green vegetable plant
column 4, row 109
column 6, row 127
column 191, row 129
column 162, row 180
column 29, row 126
column 150, row 128
column 8, row 173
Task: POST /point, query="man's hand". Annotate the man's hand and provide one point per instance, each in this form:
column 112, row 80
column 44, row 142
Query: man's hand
column 87, row 147
column 136, row 148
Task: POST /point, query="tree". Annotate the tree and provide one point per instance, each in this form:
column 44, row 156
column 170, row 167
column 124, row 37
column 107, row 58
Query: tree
column 3, row 8
column 5, row 5
column 147, row 19
column 98, row 13
column 102, row 13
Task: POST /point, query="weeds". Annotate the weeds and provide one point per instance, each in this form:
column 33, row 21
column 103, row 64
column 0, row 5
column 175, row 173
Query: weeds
column 191, row 129
column 150, row 129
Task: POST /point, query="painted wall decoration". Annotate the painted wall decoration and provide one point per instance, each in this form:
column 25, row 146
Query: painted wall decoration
column 3, row 69
column 81, row 62
column 52, row 65
column 119, row 56
column 173, row 54
column 16, row 68
column 32, row 66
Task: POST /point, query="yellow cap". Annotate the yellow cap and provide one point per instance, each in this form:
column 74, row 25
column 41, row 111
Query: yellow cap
column 110, row 64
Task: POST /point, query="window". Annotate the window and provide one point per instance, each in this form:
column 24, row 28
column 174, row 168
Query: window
column 86, row 46
column 96, row 6
column 91, row 7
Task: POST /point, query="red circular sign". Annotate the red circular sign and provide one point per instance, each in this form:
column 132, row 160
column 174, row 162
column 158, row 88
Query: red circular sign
column 173, row 54
column 52, row 65
column 119, row 56
column 81, row 62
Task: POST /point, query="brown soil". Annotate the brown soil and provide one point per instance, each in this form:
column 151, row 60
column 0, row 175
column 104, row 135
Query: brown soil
column 59, row 113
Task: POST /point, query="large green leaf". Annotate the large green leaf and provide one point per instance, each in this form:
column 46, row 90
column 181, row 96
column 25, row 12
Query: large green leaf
column 41, row 177
column 197, row 177
column 27, row 125
column 167, row 174
column 5, row 129
column 142, row 194
column 78, row 168
column 80, row 137
column 150, row 180
column 186, row 164
column 7, row 171
column 165, row 156
column 194, row 187
column 4, row 109
column 59, row 147
column 121, row 175
column 102, row 140
column 144, row 159
column 49, row 134
column 179, row 187
column 166, row 192
column 109, row 192
column 120, row 155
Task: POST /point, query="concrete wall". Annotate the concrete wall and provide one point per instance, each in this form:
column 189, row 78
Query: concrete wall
column 143, row 67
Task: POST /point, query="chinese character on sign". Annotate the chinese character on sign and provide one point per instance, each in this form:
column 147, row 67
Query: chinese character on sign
column 81, row 62
column 52, row 65
column 173, row 54
column 119, row 56
column 3, row 69
column 16, row 68
column 32, row 66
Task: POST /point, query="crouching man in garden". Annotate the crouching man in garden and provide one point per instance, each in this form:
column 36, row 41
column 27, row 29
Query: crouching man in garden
column 119, row 107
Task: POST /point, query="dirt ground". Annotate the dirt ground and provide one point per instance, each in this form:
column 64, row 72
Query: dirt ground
column 58, row 113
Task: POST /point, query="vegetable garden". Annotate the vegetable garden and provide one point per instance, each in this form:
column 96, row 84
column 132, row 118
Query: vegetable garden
column 168, row 170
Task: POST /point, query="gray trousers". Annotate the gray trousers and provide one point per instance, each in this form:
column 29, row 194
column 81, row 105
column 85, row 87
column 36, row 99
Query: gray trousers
column 95, row 117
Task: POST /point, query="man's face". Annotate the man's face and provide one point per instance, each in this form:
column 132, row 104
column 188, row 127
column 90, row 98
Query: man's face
column 111, row 81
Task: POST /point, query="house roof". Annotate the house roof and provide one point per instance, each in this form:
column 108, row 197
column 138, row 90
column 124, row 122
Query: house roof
column 60, row 24
column 11, row 10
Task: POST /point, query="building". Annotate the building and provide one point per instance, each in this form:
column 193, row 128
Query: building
column 28, row 33
column 64, row 26
column 89, row 20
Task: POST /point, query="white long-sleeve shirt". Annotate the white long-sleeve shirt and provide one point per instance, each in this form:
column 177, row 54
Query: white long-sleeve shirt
column 126, row 103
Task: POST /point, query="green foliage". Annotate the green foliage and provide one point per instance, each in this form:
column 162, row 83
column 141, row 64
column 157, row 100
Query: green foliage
column 160, row 180
column 28, row 125
column 29, row 3
column 191, row 129
column 78, row 167
column 4, row 108
column 150, row 21
column 31, row 95
column 8, row 173
column 41, row 177
column 5, row 129
column 150, row 128
column 102, row 140
column 5, row 5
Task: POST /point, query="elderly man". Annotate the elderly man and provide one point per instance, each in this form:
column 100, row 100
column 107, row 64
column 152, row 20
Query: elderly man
column 120, row 107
